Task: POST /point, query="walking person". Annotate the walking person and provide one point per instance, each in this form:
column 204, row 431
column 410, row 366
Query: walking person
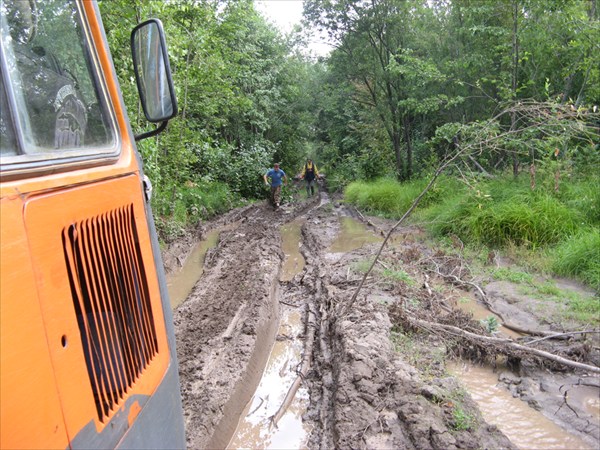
column 310, row 173
column 277, row 177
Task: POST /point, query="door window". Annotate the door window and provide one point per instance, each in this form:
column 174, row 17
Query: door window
column 57, row 107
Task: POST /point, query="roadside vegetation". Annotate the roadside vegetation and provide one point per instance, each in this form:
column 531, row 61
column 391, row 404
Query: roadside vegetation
column 509, row 90
column 553, row 232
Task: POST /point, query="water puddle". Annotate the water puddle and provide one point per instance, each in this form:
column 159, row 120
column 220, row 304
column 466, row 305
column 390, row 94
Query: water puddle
column 524, row 426
column 294, row 261
column 181, row 283
column 353, row 235
column 468, row 304
column 255, row 429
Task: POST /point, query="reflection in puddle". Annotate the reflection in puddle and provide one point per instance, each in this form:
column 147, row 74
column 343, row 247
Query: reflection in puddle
column 181, row 283
column 254, row 430
column 524, row 426
column 294, row 261
column 353, row 235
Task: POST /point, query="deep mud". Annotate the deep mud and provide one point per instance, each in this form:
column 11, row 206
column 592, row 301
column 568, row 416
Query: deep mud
column 374, row 382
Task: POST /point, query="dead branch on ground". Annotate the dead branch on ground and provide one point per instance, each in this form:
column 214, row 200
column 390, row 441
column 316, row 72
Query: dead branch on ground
column 504, row 342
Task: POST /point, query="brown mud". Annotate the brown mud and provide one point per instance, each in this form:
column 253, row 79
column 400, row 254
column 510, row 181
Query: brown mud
column 374, row 380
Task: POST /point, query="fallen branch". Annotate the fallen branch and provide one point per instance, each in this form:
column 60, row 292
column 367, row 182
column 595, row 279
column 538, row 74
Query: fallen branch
column 503, row 341
column 559, row 335
column 368, row 222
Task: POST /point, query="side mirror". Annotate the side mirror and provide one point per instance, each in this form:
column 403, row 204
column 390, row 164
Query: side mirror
column 153, row 74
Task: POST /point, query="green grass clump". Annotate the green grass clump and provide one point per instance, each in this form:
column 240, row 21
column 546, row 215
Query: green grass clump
column 530, row 220
column 391, row 198
column 579, row 257
column 398, row 275
column 514, row 276
column 556, row 231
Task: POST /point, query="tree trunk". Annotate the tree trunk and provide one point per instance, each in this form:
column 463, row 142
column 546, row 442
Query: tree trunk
column 409, row 150
column 515, row 75
column 397, row 151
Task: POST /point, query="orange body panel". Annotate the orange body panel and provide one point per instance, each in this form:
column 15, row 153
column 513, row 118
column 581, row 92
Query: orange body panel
column 29, row 403
column 46, row 397
column 45, row 218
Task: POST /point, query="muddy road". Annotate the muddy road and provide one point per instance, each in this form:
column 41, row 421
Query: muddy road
column 371, row 372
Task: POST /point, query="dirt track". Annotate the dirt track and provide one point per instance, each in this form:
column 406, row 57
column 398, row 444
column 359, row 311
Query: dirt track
column 364, row 391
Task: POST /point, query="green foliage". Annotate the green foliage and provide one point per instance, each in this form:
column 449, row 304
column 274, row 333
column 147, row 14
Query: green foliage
column 392, row 198
column 461, row 420
column 491, row 324
column 512, row 275
column 398, row 275
column 180, row 207
column 579, row 257
column 408, row 84
column 530, row 220
column 502, row 212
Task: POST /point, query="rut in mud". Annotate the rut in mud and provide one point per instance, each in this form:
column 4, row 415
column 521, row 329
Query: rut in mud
column 367, row 389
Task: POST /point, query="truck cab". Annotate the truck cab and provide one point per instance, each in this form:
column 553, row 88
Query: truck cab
column 87, row 345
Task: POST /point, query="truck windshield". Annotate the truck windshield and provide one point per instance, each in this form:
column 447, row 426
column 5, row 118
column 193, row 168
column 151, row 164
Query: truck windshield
column 53, row 103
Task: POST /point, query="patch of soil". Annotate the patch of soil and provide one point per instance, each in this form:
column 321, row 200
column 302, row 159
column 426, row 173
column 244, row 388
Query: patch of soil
column 376, row 381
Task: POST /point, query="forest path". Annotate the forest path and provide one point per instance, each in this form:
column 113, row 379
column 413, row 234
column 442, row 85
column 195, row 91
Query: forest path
column 368, row 385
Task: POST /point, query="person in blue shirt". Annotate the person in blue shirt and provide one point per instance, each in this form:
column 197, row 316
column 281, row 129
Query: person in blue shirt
column 278, row 177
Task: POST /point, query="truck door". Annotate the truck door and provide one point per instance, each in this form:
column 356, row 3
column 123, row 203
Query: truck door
column 87, row 346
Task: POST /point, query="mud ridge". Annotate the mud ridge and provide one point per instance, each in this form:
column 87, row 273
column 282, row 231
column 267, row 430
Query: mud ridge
column 362, row 394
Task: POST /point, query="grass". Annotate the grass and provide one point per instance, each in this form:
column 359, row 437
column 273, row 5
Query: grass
column 398, row 275
column 178, row 210
column 461, row 420
column 512, row 275
column 579, row 257
column 555, row 232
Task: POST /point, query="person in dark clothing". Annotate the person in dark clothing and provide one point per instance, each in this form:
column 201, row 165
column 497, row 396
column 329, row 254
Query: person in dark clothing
column 310, row 173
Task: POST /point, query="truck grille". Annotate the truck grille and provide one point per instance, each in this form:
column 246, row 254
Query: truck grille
column 112, row 303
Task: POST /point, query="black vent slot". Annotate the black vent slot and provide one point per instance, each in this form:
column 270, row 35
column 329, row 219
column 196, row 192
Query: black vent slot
column 112, row 303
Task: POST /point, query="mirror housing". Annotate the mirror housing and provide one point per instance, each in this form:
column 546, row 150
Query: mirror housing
column 153, row 74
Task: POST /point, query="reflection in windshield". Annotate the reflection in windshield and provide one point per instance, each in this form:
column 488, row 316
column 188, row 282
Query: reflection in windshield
column 52, row 82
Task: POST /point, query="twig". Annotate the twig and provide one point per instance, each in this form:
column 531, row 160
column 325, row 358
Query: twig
column 258, row 407
column 555, row 336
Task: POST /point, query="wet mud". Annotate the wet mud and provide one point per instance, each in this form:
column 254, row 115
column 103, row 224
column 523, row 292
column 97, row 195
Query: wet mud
column 280, row 282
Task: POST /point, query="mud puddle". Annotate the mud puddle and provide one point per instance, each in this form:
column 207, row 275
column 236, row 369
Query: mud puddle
column 181, row 283
column 469, row 304
column 255, row 429
column 290, row 243
column 353, row 235
column 524, row 426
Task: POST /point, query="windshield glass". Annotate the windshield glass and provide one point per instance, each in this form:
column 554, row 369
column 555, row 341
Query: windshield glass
column 57, row 107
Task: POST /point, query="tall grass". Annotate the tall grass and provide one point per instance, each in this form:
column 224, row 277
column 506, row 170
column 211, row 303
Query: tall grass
column 580, row 257
column 189, row 205
column 390, row 198
column 502, row 213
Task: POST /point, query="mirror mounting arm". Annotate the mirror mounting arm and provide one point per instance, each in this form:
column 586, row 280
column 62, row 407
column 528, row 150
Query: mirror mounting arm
column 147, row 134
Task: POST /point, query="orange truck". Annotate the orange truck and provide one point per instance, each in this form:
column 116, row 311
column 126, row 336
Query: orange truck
column 87, row 343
